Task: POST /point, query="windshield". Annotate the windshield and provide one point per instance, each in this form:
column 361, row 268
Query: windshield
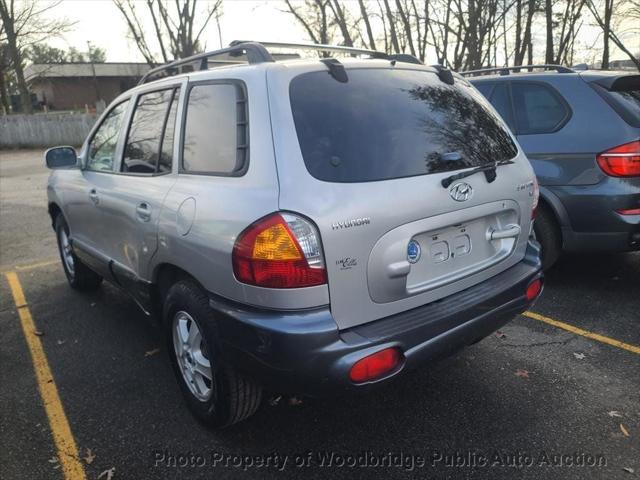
column 391, row 123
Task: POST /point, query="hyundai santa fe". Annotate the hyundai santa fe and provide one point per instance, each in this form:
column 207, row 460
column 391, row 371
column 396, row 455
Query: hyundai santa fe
column 306, row 226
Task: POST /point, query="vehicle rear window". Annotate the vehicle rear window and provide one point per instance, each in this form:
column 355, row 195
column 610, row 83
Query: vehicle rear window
column 392, row 123
column 624, row 96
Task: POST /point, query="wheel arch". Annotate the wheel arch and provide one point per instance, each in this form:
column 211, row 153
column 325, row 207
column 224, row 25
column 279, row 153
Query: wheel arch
column 163, row 277
column 552, row 203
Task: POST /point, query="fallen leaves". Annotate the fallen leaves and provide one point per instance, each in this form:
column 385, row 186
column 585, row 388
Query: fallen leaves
column 522, row 373
column 624, row 431
column 291, row 401
column 108, row 474
column 151, row 352
column 89, row 456
column 295, row 401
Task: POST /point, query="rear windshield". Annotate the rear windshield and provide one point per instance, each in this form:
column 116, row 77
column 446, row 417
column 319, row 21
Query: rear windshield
column 392, row 123
column 624, row 97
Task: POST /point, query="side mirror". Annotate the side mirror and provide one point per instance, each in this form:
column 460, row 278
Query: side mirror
column 61, row 157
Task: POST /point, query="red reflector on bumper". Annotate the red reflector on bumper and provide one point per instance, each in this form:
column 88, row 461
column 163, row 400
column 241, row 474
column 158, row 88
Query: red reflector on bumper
column 630, row 211
column 534, row 289
column 376, row 365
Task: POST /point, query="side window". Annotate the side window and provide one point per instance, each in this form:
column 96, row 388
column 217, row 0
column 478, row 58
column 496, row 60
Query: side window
column 102, row 147
column 538, row 108
column 502, row 103
column 142, row 149
column 215, row 129
column 485, row 88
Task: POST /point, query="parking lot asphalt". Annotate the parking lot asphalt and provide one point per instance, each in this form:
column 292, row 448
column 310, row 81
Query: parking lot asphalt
column 534, row 401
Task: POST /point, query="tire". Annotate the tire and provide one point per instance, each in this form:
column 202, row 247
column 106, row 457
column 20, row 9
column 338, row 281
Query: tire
column 79, row 276
column 226, row 397
column 548, row 235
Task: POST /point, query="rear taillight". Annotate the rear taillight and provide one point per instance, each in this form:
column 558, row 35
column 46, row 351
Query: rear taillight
column 376, row 365
column 281, row 250
column 536, row 197
column 621, row 161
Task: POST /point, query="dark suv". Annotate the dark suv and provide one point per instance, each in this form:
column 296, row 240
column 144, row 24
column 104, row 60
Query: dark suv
column 581, row 132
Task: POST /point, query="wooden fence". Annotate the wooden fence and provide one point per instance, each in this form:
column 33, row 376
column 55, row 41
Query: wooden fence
column 44, row 129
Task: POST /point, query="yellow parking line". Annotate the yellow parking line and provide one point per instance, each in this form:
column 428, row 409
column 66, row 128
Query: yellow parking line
column 585, row 333
column 62, row 436
column 31, row 266
column 46, row 263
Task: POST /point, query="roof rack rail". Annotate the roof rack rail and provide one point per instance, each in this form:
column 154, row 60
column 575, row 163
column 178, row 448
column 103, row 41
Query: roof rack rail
column 256, row 52
column 319, row 47
column 508, row 70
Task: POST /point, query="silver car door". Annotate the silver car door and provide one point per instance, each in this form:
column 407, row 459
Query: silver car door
column 84, row 209
column 133, row 203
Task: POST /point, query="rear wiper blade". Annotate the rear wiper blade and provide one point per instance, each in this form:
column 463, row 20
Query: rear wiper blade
column 489, row 172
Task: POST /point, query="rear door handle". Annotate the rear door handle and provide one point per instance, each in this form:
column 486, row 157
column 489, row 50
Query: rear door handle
column 93, row 195
column 143, row 210
column 507, row 232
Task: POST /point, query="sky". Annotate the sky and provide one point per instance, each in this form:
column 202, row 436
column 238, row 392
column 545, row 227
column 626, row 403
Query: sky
column 100, row 22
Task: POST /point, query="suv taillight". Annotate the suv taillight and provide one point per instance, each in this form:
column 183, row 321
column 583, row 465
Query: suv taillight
column 621, row 161
column 281, row 250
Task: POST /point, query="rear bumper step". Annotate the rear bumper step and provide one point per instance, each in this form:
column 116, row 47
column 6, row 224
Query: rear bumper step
column 304, row 352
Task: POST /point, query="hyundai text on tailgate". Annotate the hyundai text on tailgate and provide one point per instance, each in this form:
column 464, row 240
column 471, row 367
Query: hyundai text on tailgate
column 303, row 226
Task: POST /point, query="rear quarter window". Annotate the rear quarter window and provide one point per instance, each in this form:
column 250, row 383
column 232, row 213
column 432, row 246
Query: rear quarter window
column 624, row 97
column 391, row 123
column 215, row 131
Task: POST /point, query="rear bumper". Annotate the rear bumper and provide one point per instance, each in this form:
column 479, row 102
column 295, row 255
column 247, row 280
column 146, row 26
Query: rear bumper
column 608, row 242
column 594, row 222
column 304, row 352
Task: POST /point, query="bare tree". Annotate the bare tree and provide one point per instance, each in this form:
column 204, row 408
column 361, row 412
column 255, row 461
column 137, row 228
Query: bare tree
column 314, row 16
column 25, row 24
column 176, row 28
column 4, row 64
column 465, row 34
column 548, row 14
column 609, row 33
column 342, row 21
column 569, row 28
column 367, row 22
column 523, row 25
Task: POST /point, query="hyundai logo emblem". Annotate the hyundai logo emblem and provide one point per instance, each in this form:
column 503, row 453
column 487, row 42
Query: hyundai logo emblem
column 413, row 251
column 461, row 191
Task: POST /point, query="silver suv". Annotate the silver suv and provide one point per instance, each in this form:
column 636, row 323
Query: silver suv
column 304, row 226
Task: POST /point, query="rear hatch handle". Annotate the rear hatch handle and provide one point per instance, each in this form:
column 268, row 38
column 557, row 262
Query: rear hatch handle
column 398, row 269
column 507, row 232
